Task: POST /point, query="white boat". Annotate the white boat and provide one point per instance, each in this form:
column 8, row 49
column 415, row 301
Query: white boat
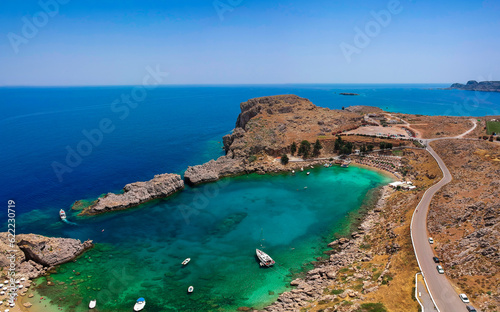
column 308, row 173
column 186, row 261
column 190, row 289
column 264, row 258
column 92, row 304
column 62, row 214
column 293, row 171
column 302, row 169
column 139, row 305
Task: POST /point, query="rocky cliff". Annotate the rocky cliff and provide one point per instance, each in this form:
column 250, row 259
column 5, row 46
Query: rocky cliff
column 267, row 126
column 134, row 194
column 35, row 254
column 472, row 85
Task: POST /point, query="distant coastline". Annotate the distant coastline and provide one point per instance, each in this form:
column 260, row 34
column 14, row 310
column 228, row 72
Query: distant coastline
column 472, row 85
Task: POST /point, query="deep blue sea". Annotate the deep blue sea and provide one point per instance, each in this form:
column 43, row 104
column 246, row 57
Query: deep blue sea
column 171, row 128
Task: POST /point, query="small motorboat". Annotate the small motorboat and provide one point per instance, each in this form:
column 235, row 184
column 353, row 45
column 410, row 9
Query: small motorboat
column 190, row 289
column 308, row 173
column 140, row 304
column 293, row 171
column 92, row 304
column 185, row 262
column 62, row 214
column 264, row 258
column 301, row 168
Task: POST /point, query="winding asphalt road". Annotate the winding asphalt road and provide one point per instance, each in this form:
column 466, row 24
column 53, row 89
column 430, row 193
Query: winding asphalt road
column 442, row 292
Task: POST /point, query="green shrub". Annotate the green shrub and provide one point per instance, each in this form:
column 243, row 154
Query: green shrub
column 372, row 307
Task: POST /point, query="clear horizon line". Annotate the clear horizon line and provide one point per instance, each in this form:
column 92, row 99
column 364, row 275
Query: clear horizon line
column 224, row 84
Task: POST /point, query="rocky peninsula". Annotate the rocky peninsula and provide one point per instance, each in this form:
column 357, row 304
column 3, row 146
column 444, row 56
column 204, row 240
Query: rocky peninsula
column 134, row 194
column 472, row 85
column 265, row 129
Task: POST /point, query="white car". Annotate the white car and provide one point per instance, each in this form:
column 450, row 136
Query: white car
column 431, row 241
column 440, row 270
column 464, row 298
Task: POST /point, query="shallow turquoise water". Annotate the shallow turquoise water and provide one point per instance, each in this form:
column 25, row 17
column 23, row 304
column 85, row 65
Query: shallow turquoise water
column 218, row 225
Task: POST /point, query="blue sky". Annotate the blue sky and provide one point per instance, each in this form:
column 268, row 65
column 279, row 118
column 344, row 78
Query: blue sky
column 255, row 41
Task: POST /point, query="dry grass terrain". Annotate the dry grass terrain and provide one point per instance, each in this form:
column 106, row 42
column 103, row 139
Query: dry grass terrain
column 436, row 126
column 464, row 220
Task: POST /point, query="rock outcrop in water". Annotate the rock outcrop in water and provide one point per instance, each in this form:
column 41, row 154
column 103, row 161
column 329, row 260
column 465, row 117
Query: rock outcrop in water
column 472, row 85
column 134, row 194
column 214, row 170
column 36, row 254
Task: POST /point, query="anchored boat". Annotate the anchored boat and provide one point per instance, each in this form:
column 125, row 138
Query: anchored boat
column 139, row 305
column 190, row 289
column 185, row 262
column 92, row 304
column 265, row 259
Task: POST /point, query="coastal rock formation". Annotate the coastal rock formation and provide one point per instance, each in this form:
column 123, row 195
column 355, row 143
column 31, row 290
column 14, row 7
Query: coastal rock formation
column 35, row 254
column 472, row 85
column 134, row 194
column 213, row 170
column 265, row 128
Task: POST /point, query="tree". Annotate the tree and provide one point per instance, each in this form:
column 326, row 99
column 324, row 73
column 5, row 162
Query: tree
column 293, row 148
column 304, row 148
column 362, row 149
column 349, row 147
column 284, row 159
column 338, row 144
column 382, row 145
column 316, row 148
column 388, row 145
column 370, row 147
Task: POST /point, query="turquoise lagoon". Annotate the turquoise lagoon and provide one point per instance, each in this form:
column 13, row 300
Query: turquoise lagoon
column 218, row 225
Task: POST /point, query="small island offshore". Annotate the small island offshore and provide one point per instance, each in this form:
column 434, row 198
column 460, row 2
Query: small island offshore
column 373, row 267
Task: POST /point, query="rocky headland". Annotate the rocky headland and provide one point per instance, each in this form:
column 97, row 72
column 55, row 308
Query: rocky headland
column 36, row 254
column 472, row 85
column 134, row 194
column 265, row 128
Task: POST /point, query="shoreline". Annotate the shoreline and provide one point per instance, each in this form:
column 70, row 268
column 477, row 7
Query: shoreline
column 364, row 212
column 344, row 251
column 383, row 172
